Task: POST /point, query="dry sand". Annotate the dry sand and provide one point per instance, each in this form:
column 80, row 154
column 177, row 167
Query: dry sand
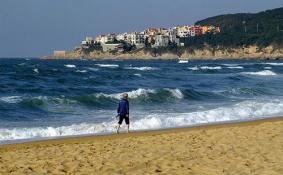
column 243, row 148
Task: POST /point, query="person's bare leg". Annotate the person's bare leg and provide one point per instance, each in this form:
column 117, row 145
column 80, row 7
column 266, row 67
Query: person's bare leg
column 128, row 128
column 117, row 129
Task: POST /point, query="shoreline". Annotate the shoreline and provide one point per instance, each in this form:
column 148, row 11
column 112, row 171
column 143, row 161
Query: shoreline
column 207, row 53
column 253, row 147
column 142, row 132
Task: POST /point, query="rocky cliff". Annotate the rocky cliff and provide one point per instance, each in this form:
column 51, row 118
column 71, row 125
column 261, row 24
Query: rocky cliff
column 251, row 52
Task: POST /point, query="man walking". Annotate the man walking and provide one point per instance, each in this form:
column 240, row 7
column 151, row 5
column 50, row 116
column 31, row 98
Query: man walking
column 123, row 112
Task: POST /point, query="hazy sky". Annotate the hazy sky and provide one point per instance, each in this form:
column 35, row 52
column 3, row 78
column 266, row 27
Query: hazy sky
column 32, row 28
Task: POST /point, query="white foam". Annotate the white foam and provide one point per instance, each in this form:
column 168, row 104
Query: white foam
column 274, row 64
column 70, row 65
column 193, row 68
column 176, row 93
column 205, row 68
column 235, row 67
column 11, row 99
column 211, row 68
column 131, row 94
column 108, row 65
column 261, row 73
column 269, row 68
column 145, row 68
column 228, row 65
column 36, row 70
column 138, row 75
column 93, row 69
column 245, row 110
column 183, row 61
column 82, row 71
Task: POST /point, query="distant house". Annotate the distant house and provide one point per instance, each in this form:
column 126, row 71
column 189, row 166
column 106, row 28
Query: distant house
column 121, row 37
column 105, row 38
column 135, row 38
column 210, row 29
column 161, row 41
column 172, row 33
column 151, row 31
column 183, row 31
column 195, row 31
column 87, row 42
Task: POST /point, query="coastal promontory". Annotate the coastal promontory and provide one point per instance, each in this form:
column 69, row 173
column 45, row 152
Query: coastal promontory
column 231, row 36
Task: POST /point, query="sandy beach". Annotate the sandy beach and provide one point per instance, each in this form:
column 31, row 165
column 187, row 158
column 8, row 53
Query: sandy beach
column 242, row 148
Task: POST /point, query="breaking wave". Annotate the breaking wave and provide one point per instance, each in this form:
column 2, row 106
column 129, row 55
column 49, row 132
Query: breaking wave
column 245, row 110
column 205, row 68
column 82, row 71
column 108, row 65
column 274, row 64
column 11, row 99
column 142, row 68
column 235, row 67
column 70, row 65
column 261, row 73
column 140, row 96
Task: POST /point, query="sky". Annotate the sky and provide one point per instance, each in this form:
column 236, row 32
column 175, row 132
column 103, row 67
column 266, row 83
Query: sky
column 34, row 28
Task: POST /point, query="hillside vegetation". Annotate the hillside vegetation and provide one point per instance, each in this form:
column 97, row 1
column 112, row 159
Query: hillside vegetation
column 241, row 30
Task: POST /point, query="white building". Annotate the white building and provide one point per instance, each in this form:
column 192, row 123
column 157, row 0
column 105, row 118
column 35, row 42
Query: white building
column 173, row 36
column 121, row 37
column 183, row 31
column 135, row 38
column 161, row 41
column 105, row 38
column 88, row 41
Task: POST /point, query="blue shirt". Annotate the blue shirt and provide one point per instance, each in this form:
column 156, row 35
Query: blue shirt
column 123, row 107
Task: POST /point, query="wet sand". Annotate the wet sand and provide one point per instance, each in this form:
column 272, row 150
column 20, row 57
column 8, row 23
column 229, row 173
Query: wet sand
column 242, row 148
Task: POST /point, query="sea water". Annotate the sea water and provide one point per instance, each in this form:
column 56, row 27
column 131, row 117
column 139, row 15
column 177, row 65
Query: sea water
column 52, row 98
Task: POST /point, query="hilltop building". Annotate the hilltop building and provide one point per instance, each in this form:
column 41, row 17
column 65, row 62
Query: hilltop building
column 135, row 38
column 105, row 38
column 161, row 41
column 152, row 37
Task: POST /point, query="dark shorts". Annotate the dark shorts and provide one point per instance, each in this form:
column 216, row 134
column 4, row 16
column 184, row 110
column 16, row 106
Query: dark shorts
column 121, row 118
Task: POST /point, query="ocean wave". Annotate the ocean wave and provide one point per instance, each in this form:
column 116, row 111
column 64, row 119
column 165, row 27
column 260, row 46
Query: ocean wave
column 81, row 71
column 145, row 93
column 244, row 91
column 230, row 65
column 70, row 65
column 143, row 96
column 261, row 73
column 41, row 102
column 108, row 65
column 245, row 110
column 11, row 99
column 205, row 68
column 273, row 64
column 93, row 69
column 268, row 68
column 138, row 75
column 22, row 64
column 183, row 61
column 235, row 67
column 36, row 70
column 98, row 99
column 142, row 68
